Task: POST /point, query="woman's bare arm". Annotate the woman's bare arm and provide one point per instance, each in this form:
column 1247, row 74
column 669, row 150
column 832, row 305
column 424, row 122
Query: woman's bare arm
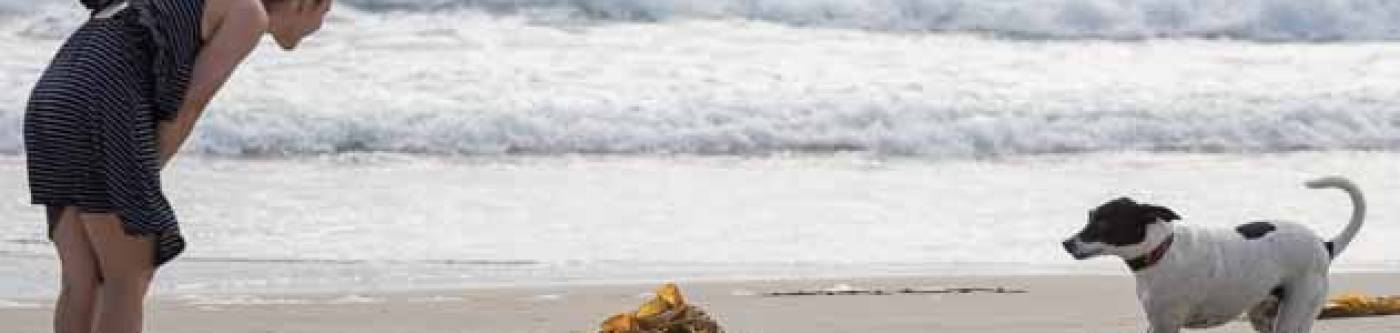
column 236, row 33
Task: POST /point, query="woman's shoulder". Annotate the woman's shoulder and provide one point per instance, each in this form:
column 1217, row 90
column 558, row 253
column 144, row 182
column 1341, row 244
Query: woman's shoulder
column 218, row 12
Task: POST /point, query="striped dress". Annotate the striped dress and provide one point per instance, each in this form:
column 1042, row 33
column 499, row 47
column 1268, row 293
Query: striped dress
column 90, row 125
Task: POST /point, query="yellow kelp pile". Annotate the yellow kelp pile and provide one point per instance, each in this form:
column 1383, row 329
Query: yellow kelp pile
column 1355, row 305
column 664, row 313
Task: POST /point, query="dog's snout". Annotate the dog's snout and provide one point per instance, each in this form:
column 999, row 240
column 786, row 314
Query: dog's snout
column 1072, row 246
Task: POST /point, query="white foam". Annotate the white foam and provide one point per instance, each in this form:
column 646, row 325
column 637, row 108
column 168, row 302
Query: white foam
column 8, row 304
column 463, row 83
column 842, row 287
column 546, row 298
column 354, row 299
column 207, row 300
column 436, row 299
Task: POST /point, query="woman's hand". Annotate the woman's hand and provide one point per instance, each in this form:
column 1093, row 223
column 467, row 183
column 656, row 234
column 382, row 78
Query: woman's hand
column 232, row 29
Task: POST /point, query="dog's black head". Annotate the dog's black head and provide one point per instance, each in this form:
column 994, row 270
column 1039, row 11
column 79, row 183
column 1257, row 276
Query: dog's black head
column 1116, row 226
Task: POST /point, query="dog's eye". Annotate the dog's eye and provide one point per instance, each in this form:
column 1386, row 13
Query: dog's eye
column 1090, row 229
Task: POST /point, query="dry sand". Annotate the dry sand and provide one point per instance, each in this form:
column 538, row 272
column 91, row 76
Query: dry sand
column 1052, row 304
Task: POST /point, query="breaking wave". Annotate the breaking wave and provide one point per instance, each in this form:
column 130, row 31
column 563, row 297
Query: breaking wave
column 767, row 77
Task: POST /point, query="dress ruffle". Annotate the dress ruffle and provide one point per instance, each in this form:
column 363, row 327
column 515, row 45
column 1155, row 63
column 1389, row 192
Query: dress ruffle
column 173, row 26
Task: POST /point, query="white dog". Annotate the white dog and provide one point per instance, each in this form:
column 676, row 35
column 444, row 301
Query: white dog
column 1200, row 278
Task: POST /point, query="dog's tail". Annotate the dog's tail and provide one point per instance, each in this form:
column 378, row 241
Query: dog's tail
column 1358, row 211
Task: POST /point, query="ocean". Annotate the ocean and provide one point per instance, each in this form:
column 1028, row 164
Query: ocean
column 419, row 144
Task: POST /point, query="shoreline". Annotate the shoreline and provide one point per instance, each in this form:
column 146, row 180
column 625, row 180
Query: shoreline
column 1052, row 303
column 232, row 278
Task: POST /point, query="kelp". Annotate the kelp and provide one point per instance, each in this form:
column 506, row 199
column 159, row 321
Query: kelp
column 666, row 312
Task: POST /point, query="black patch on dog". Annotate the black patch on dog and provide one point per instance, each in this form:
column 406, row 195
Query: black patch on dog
column 1277, row 292
column 1331, row 249
column 1123, row 222
column 1254, row 230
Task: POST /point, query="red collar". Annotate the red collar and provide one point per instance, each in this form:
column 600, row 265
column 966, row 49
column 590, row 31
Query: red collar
column 1143, row 262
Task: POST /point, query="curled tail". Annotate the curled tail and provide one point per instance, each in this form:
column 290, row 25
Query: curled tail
column 1358, row 211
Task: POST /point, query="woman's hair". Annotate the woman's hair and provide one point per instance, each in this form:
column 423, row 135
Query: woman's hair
column 96, row 5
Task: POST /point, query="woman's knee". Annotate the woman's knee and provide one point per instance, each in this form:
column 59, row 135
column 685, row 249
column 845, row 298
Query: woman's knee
column 129, row 279
column 81, row 281
column 80, row 288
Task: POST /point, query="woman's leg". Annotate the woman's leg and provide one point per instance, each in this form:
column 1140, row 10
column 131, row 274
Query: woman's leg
column 77, row 296
column 127, row 267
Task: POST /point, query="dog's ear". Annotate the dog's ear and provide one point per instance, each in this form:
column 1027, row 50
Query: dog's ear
column 1160, row 213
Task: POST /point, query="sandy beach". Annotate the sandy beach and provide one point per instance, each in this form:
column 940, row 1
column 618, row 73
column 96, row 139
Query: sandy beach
column 1051, row 304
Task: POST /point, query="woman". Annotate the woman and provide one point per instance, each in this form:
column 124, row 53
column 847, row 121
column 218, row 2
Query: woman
column 113, row 107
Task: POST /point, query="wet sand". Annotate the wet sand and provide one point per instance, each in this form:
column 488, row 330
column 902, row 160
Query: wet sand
column 1051, row 304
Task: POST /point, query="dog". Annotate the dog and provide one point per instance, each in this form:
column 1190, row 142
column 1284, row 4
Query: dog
column 1189, row 277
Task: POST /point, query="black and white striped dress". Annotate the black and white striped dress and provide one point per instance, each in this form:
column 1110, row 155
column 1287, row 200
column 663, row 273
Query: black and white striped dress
column 90, row 126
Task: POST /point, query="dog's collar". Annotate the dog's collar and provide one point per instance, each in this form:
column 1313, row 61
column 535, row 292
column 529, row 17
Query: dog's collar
column 1143, row 262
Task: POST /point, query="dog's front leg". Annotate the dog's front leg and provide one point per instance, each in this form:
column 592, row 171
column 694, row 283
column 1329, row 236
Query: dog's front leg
column 1163, row 316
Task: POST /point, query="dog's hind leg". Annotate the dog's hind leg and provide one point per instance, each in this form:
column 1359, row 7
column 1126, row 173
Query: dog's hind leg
column 1301, row 303
column 1263, row 315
